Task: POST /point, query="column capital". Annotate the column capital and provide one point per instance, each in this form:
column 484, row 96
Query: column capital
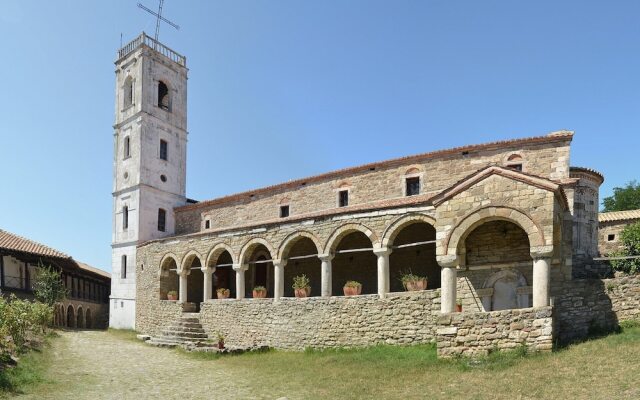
column 448, row 261
column 382, row 251
column 208, row 270
column 538, row 252
column 240, row 267
column 280, row 263
column 326, row 257
column 183, row 271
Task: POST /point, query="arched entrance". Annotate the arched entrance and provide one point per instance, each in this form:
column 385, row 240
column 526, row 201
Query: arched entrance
column 71, row 318
column 224, row 276
column 260, row 271
column 195, row 280
column 80, row 319
column 169, row 280
column 414, row 251
column 354, row 261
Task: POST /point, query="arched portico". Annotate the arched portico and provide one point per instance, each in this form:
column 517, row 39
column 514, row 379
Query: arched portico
column 300, row 253
column 191, row 279
column 80, row 318
column 218, row 273
column 169, row 278
column 71, row 317
column 255, row 263
column 453, row 252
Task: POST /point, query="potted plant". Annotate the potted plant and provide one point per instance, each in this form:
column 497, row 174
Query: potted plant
column 458, row 305
column 259, row 292
column 223, row 293
column 412, row 282
column 172, row 295
column 220, row 337
column 352, row 288
column 301, row 286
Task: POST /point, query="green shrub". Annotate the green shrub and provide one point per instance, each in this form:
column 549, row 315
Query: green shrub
column 48, row 286
column 630, row 238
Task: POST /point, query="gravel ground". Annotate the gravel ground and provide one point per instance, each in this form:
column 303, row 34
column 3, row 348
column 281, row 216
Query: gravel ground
column 100, row 365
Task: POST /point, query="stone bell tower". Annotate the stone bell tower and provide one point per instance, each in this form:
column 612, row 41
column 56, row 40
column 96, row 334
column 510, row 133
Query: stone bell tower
column 149, row 161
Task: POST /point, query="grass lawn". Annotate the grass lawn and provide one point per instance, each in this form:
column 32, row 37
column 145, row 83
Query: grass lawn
column 603, row 368
column 31, row 370
column 113, row 364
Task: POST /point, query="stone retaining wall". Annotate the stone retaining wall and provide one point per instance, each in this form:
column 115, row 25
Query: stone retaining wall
column 401, row 318
column 479, row 333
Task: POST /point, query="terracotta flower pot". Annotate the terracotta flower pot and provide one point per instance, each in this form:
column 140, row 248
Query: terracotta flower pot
column 259, row 294
column 224, row 295
column 172, row 297
column 458, row 307
column 413, row 286
column 352, row 291
column 303, row 292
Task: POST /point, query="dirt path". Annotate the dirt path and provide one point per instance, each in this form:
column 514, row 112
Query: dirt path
column 101, row 365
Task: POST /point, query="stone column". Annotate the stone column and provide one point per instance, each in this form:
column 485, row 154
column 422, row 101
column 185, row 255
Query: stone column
column 278, row 281
column 325, row 274
column 383, row 270
column 183, row 274
column 240, row 269
column 208, row 286
column 541, row 273
column 448, row 283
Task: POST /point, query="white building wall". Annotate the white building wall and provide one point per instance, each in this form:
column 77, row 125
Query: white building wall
column 138, row 179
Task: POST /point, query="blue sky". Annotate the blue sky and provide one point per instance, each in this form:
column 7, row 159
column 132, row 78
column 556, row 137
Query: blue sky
column 285, row 89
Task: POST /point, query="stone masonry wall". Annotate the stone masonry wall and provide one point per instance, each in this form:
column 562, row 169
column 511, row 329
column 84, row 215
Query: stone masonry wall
column 473, row 334
column 401, row 318
column 549, row 160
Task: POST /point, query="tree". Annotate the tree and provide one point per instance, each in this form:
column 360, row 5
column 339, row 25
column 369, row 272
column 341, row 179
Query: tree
column 48, row 286
column 624, row 198
column 630, row 238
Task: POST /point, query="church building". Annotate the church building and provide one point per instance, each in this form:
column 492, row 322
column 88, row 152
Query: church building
column 499, row 230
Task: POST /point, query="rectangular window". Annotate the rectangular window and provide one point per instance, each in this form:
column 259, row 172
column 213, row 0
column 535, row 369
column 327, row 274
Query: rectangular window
column 163, row 149
column 125, row 217
column 611, row 238
column 123, row 267
column 284, row 211
column 207, row 224
column 343, row 198
column 127, row 147
column 162, row 219
column 517, row 167
column 413, row 186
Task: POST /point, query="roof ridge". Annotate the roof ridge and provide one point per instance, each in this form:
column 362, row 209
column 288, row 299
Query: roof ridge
column 551, row 137
column 33, row 242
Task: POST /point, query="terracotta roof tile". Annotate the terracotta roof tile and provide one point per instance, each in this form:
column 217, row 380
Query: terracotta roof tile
column 14, row 242
column 558, row 136
column 619, row 216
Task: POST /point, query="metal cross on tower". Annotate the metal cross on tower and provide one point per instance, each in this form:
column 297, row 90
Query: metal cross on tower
column 159, row 18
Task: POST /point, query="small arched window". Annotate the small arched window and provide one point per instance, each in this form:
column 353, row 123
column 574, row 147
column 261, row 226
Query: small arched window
column 163, row 96
column 127, row 147
column 128, row 92
column 515, row 161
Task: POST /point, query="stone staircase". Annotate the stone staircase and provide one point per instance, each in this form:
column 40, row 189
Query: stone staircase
column 185, row 332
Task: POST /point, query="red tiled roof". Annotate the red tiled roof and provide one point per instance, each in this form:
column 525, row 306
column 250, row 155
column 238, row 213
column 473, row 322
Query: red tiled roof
column 619, row 216
column 588, row 171
column 559, row 136
column 14, row 242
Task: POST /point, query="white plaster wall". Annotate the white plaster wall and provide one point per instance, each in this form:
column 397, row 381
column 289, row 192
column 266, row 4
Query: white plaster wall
column 122, row 314
column 13, row 269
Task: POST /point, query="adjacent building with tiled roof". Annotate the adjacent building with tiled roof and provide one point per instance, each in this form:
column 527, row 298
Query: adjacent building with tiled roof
column 611, row 225
column 87, row 302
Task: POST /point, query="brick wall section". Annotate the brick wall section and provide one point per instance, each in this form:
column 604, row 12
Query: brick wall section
column 474, row 334
column 402, row 318
column 549, row 160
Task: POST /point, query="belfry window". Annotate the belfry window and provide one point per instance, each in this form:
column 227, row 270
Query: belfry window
column 128, row 92
column 123, row 267
column 163, row 96
column 412, row 186
column 163, row 150
column 125, row 217
column 127, row 147
column 162, row 219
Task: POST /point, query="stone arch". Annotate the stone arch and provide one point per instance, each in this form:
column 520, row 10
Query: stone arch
column 250, row 245
column 292, row 239
column 188, row 258
column 88, row 320
column 396, row 226
column 486, row 214
column 164, row 263
column 344, row 230
column 79, row 318
column 71, row 317
column 215, row 253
